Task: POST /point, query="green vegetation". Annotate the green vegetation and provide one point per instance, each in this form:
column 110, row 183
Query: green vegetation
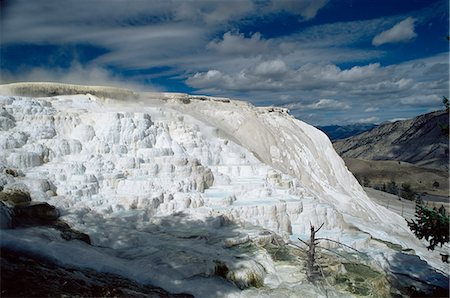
column 407, row 193
column 391, row 245
column 392, row 187
column 431, row 225
column 363, row 281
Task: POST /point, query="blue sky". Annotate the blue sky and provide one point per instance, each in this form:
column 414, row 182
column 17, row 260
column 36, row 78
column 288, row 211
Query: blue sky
column 329, row 62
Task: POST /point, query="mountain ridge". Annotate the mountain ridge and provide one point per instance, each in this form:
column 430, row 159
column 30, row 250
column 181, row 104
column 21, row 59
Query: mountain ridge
column 419, row 141
column 339, row 132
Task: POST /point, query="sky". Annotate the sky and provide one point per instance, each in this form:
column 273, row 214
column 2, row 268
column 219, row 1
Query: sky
column 327, row 61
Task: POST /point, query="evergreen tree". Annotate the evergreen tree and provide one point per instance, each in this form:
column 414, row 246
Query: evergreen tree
column 431, row 225
column 406, row 192
column 392, row 187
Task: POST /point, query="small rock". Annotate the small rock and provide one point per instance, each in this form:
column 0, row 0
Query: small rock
column 34, row 214
column 14, row 197
column 12, row 172
column 68, row 233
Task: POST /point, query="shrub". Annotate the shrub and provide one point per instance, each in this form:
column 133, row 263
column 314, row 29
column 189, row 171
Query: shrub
column 406, row 192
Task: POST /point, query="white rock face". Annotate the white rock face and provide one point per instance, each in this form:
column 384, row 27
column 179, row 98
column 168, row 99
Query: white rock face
column 117, row 168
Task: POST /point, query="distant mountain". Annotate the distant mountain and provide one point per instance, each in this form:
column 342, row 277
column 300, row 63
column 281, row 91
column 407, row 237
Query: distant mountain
column 422, row 140
column 339, row 132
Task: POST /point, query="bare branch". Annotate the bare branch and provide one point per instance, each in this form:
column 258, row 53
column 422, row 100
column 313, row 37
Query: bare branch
column 319, row 228
column 336, row 253
column 304, row 242
column 331, row 240
column 295, row 245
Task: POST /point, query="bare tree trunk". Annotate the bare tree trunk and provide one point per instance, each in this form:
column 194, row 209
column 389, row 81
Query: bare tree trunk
column 312, row 267
column 311, row 270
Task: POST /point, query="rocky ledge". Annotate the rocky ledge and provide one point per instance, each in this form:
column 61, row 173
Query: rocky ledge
column 27, row 275
column 19, row 211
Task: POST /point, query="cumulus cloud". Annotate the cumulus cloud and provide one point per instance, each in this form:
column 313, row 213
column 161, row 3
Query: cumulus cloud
column 276, row 75
column 401, row 32
column 237, row 44
column 271, row 68
column 367, row 88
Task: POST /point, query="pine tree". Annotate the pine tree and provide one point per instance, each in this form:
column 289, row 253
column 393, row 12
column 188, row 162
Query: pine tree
column 431, row 225
column 406, row 192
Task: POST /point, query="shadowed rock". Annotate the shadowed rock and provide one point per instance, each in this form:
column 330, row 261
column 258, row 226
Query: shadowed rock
column 18, row 211
column 27, row 275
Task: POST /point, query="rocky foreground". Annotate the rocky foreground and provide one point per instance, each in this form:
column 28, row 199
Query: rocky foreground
column 28, row 275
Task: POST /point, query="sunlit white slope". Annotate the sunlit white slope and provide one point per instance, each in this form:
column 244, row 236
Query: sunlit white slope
column 302, row 151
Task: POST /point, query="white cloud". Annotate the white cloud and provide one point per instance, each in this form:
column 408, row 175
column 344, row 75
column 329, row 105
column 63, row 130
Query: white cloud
column 386, row 86
column 237, row 44
column 76, row 74
column 271, row 68
column 212, row 12
column 340, row 33
column 148, row 33
column 368, row 88
column 199, row 42
column 371, row 109
column 276, row 75
column 210, row 79
column 321, row 104
column 368, row 120
column 421, row 100
column 305, row 8
column 401, row 32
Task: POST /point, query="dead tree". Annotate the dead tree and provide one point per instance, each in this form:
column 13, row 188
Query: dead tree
column 312, row 268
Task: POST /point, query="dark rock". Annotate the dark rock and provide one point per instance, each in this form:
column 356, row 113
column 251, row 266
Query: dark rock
column 29, row 275
column 16, row 197
column 34, row 213
column 67, row 233
column 6, row 215
column 12, row 172
column 18, row 211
